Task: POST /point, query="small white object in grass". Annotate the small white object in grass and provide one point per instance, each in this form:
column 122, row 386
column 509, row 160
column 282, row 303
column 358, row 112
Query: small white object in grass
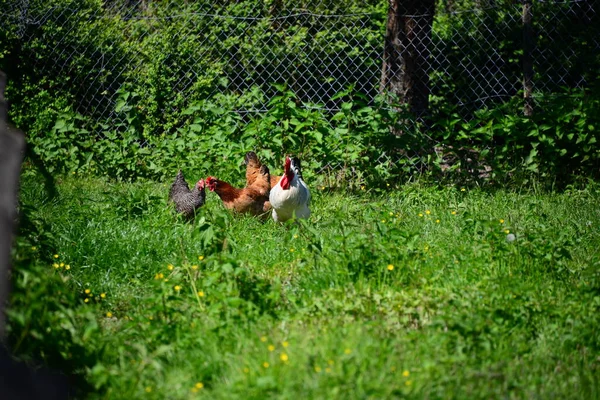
column 510, row 237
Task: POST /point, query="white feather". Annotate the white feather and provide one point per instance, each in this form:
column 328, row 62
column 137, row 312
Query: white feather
column 288, row 202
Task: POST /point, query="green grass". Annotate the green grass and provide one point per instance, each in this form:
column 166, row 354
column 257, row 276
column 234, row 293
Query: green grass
column 463, row 313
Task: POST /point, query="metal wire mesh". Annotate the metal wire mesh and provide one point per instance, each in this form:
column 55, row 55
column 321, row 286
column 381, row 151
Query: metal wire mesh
column 174, row 53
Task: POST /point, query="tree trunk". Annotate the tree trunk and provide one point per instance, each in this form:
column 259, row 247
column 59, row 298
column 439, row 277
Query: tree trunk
column 406, row 52
column 527, row 59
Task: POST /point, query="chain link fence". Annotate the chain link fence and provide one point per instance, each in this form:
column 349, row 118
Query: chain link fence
column 172, row 54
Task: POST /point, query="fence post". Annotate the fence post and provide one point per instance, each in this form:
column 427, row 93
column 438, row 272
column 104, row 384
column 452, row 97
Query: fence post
column 527, row 59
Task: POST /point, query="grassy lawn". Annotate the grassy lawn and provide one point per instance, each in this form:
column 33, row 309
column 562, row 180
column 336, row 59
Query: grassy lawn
column 417, row 293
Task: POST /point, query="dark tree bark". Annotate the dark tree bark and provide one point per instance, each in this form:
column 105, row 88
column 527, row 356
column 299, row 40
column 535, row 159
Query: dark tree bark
column 527, row 59
column 406, row 52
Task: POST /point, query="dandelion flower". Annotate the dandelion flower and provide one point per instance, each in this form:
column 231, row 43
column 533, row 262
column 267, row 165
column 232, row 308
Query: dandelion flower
column 108, row 314
column 501, row 221
column 348, row 351
column 388, row 185
column 201, row 293
column 383, row 221
column 330, row 362
column 391, row 214
column 453, row 213
column 405, row 373
column 271, row 347
column 437, row 221
column 420, row 214
column 283, row 357
column 328, row 370
column 33, row 248
column 390, row 267
column 285, row 344
column 194, row 267
column 266, row 364
column 170, row 267
column 177, row 287
column 67, row 267
column 295, row 236
column 462, row 189
column 148, row 389
column 55, row 265
column 292, row 250
column 87, row 291
column 362, row 188
column 506, row 231
column 200, row 258
column 86, row 300
column 103, row 295
column 408, row 383
column 62, row 265
column 199, row 385
column 427, row 212
column 263, row 338
column 317, row 369
column 56, row 256
column 510, row 237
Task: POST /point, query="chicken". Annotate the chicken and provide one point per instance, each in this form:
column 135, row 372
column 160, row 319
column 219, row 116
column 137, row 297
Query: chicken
column 290, row 196
column 253, row 167
column 253, row 199
column 187, row 201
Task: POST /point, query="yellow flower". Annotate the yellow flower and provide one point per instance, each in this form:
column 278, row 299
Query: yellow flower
column 317, row 369
column 420, row 214
column 427, row 212
column 194, row 267
column 347, row 351
column 295, row 236
column 408, row 383
column 390, row 267
column 170, row 267
column 194, row 390
column 62, row 265
column 285, row 344
column 501, row 221
column 199, row 385
column 283, row 357
column 328, row 370
column 391, row 214
column 506, row 231
column 86, row 300
column 87, row 291
column 67, row 267
column 246, row 370
column 263, row 338
column 453, row 213
column 330, row 362
column 292, row 250
column 383, row 221
column 388, row 184
column 103, row 295
column 271, row 347
column 266, row 364
column 405, row 373
column 33, row 248
column 56, row 256
column 148, row 389
column 362, row 188
column 177, row 287
column 108, row 314
column 201, row 293
column 462, row 189
column 55, row 265
column 200, row 258
column 437, row 221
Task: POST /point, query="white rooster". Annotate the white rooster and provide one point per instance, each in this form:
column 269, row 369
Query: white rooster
column 291, row 195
